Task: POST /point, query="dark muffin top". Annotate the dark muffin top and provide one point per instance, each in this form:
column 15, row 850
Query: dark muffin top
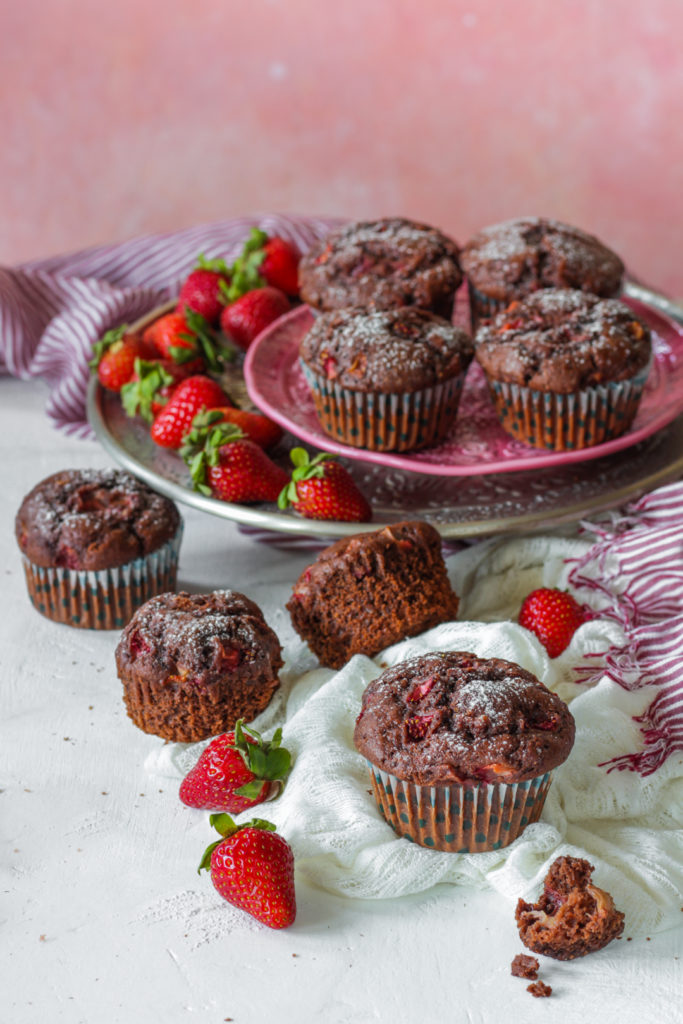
column 454, row 717
column 382, row 263
column 517, row 257
column 93, row 519
column 397, row 350
column 194, row 640
column 562, row 340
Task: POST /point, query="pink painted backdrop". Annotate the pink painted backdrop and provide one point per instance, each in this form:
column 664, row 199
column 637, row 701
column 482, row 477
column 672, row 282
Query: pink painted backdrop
column 126, row 118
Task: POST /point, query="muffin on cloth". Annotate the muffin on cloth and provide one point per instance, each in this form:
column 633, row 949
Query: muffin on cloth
column 573, row 917
column 371, row 590
column 192, row 664
column 565, row 369
column 461, row 749
column 387, row 380
column 382, row 264
column 96, row 544
column 511, row 260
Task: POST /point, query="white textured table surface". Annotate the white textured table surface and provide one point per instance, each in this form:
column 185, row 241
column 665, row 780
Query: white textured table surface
column 104, row 916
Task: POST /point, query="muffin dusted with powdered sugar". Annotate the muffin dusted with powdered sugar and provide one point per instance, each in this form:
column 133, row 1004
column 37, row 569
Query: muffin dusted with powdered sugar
column 461, row 749
column 192, row 664
column 511, row 260
column 387, row 380
column 382, row 264
column 565, row 368
column 96, row 544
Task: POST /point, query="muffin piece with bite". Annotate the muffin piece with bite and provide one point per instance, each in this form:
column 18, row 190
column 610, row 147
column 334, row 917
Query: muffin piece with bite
column 96, row 544
column 573, row 917
column 461, row 749
column 192, row 664
column 371, row 590
column 382, row 264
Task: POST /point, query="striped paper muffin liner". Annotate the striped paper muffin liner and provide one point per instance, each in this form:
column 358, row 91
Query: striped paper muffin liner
column 459, row 818
column 482, row 306
column 102, row 598
column 567, row 422
column 385, row 422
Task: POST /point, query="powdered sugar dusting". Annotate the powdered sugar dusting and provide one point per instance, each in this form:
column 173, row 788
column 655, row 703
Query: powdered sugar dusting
column 204, row 916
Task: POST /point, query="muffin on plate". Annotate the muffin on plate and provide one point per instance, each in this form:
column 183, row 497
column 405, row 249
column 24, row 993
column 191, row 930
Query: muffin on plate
column 192, row 664
column 565, row 369
column 96, row 544
column 382, row 264
column 511, row 260
column 573, row 917
column 461, row 749
column 371, row 590
column 386, row 380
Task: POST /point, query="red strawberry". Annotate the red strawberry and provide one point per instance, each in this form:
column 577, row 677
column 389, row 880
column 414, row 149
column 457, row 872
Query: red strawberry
column 280, row 266
column 252, row 867
column 553, row 616
column 186, row 338
column 201, row 290
column 236, row 771
column 190, row 397
column 323, row 489
column 114, row 357
column 245, row 318
column 254, row 426
column 225, row 464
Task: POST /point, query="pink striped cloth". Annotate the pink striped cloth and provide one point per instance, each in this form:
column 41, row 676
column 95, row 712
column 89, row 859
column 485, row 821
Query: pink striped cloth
column 636, row 566
column 53, row 310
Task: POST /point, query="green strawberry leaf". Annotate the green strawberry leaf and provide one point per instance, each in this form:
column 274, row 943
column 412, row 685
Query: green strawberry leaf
column 217, row 265
column 205, row 862
column 278, row 763
column 251, row 790
column 106, row 342
column 257, row 760
column 179, row 354
column 223, row 823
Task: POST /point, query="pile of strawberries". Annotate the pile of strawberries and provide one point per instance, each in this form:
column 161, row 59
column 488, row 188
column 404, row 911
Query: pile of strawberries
column 166, row 375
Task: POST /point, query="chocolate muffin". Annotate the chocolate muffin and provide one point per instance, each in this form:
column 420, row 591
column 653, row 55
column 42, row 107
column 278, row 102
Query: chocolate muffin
column 369, row 591
column 192, row 664
column 572, row 917
column 461, row 749
column 382, row 264
column 511, row 260
column 565, row 369
column 96, row 544
column 385, row 379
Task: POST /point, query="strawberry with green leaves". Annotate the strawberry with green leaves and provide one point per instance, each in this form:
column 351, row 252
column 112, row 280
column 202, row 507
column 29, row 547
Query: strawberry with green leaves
column 114, row 357
column 236, row 771
column 152, row 384
column 191, row 396
column 553, row 616
column 264, row 260
column 186, row 338
column 321, row 488
column 201, row 290
column 254, row 425
column 252, row 867
column 227, row 465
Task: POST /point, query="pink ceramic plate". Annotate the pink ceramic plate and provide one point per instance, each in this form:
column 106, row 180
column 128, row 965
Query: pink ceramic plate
column 477, row 444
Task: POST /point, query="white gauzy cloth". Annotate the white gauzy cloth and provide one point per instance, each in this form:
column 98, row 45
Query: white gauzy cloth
column 628, row 826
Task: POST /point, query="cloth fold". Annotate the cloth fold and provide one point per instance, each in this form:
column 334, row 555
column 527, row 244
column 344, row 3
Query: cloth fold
column 53, row 310
column 626, row 823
